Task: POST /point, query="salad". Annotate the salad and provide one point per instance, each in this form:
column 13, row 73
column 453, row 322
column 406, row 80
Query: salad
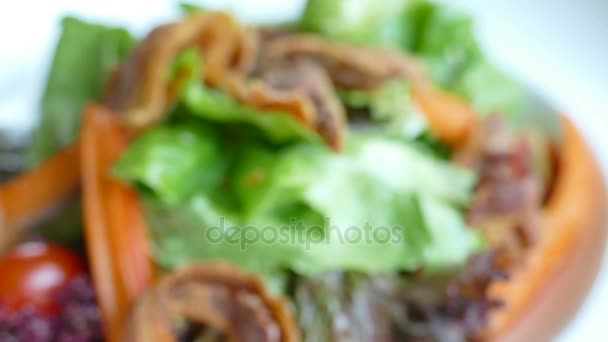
column 361, row 174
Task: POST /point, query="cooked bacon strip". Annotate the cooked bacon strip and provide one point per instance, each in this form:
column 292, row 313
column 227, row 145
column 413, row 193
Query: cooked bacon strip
column 138, row 89
column 303, row 89
column 246, row 56
column 450, row 117
column 218, row 298
column 309, row 79
column 349, row 66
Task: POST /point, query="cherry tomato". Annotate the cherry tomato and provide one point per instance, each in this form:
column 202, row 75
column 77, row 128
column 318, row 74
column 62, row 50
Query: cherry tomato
column 33, row 273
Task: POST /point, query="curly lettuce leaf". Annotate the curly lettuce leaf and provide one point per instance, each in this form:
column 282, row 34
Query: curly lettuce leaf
column 489, row 90
column 199, row 229
column 306, row 209
column 446, row 42
column 174, row 161
column 356, row 21
column 360, row 190
column 444, row 38
column 204, row 133
column 389, row 105
column 391, row 108
column 215, row 106
column 85, row 55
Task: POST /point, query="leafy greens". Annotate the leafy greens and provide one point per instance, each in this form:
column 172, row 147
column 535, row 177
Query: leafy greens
column 226, row 181
column 306, row 208
column 389, row 105
column 84, row 57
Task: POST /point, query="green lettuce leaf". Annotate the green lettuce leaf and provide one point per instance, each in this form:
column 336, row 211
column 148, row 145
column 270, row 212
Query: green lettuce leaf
column 445, row 39
column 391, row 109
column 174, row 161
column 489, row 90
column 203, row 135
column 446, row 42
column 380, row 206
column 84, row 57
column 391, row 106
column 357, row 21
column 215, row 106
column 200, row 230
column 451, row 241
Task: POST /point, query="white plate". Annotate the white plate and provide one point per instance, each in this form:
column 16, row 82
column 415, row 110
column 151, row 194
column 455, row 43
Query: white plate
column 558, row 47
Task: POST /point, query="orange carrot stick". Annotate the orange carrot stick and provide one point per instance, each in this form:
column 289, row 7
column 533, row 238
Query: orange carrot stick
column 450, row 118
column 115, row 231
column 30, row 195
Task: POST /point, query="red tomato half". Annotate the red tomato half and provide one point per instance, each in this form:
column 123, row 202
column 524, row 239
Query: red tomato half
column 33, row 273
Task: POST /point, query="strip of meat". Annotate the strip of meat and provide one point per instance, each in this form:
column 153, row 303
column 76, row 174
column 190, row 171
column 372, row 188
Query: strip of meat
column 138, row 89
column 300, row 88
column 349, row 66
column 220, row 299
column 353, row 67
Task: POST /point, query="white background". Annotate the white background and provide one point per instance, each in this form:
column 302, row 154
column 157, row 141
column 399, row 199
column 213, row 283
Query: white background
column 558, row 47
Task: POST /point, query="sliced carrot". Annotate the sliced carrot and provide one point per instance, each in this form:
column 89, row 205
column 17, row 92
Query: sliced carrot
column 450, row 118
column 115, row 230
column 30, row 195
column 127, row 230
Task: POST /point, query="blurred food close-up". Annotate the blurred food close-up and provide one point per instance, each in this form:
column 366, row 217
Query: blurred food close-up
column 362, row 171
